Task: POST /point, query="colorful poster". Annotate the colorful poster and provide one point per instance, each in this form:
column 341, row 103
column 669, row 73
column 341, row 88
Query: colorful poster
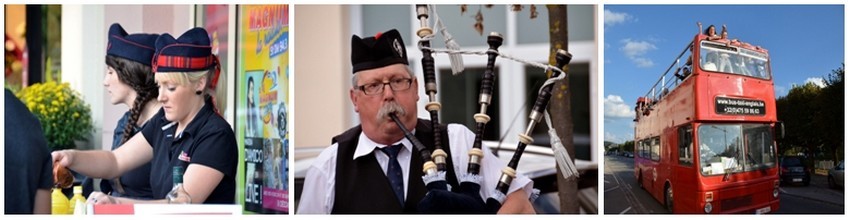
column 262, row 97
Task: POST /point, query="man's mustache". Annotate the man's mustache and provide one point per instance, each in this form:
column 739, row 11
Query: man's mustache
column 390, row 108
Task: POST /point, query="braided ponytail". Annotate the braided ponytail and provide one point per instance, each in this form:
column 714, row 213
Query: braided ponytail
column 139, row 77
column 142, row 98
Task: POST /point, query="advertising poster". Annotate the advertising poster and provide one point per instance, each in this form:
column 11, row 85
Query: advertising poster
column 262, row 108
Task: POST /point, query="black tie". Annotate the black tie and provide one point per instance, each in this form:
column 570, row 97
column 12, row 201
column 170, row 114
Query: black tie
column 394, row 171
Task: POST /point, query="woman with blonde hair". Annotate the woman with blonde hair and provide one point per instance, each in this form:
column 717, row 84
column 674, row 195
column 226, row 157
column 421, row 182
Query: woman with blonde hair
column 186, row 133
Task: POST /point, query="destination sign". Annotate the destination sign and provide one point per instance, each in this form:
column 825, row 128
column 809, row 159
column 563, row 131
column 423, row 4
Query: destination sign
column 731, row 106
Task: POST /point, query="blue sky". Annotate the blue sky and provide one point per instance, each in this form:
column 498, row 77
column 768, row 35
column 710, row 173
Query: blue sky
column 805, row 43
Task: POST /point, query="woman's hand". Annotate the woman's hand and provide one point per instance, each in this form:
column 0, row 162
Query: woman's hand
column 63, row 157
column 98, row 198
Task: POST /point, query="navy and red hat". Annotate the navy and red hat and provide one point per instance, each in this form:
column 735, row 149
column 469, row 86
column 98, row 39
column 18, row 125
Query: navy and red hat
column 382, row 50
column 135, row 47
column 188, row 53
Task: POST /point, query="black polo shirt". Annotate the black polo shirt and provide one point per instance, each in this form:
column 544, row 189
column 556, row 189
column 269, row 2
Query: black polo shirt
column 208, row 140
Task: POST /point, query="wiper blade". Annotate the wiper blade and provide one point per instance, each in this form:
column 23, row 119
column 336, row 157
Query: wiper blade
column 750, row 156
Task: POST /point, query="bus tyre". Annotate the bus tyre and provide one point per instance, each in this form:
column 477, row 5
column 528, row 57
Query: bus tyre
column 640, row 179
column 668, row 197
column 831, row 182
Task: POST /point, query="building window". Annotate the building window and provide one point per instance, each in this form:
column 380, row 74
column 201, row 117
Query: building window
column 458, row 95
column 375, row 20
column 528, row 30
column 579, row 91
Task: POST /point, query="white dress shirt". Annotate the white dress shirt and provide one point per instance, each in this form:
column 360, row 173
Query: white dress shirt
column 317, row 196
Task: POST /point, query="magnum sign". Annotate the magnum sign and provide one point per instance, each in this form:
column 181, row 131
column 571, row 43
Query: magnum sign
column 730, row 106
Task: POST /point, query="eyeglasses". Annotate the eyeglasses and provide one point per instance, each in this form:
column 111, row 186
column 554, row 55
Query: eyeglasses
column 378, row 88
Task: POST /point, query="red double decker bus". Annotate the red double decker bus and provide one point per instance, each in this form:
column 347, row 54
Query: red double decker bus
column 705, row 132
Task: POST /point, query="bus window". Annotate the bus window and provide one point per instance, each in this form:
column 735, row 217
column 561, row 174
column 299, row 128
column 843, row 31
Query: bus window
column 656, row 148
column 759, row 146
column 639, row 148
column 733, row 148
column 734, row 60
column 686, row 145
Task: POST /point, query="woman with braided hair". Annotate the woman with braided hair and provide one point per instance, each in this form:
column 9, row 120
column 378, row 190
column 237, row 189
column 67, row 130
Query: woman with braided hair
column 130, row 81
column 187, row 140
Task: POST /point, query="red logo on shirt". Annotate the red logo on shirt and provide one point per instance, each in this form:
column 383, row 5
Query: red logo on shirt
column 184, row 157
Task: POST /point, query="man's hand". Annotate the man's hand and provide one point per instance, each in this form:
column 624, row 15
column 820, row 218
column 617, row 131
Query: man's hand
column 517, row 203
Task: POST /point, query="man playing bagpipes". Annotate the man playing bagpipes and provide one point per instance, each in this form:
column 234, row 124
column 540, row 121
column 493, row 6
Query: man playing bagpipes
column 374, row 168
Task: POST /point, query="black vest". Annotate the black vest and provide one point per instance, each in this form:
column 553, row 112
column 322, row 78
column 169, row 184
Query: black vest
column 363, row 188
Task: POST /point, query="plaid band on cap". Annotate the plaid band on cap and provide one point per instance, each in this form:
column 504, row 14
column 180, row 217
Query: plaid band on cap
column 180, row 62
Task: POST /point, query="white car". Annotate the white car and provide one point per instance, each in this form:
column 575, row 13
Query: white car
column 836, row 176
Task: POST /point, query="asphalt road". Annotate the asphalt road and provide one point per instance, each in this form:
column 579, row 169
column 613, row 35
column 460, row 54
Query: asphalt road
column 623, row 195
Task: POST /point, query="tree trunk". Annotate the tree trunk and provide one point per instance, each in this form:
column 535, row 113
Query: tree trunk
column 559, row 106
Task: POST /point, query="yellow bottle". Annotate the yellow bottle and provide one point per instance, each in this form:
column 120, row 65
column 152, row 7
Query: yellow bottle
column 59, row 202
column 78, row 197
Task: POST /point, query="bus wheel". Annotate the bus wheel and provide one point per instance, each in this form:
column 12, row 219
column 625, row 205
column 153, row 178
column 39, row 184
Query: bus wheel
column 668, row 197
column 640, row 179
column 832, row 183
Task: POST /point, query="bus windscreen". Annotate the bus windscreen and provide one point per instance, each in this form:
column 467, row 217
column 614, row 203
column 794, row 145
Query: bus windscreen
column 734, row 60
column 734, row 148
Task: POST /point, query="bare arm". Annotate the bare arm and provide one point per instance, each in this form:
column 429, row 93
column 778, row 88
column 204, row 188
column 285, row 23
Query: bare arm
column 199, row 181
column 107, row 164
column 517, row 203
column 42, row 202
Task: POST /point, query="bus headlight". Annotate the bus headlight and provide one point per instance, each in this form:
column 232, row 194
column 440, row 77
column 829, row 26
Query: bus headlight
column 708, row 207
column 776, row 189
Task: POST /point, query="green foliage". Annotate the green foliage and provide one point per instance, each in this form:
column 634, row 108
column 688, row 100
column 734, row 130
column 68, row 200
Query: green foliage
column 814, row 117
column 628, row 146
column 63, row 114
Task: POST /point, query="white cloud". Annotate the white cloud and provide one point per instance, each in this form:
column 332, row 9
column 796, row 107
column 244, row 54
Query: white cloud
column 613, row 18
column 611, row 137
column 818, row 81
column 617, row 138
column 643, row 62
column 616, row 108
column 780, row 90
column 636, row 50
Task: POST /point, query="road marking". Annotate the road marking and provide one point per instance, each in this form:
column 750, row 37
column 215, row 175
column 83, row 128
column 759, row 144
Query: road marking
column 608, row 190
column 630, row 197
column 627, row 209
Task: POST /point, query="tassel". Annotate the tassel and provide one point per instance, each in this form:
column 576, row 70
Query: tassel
column 562, row 157
column 455, row 58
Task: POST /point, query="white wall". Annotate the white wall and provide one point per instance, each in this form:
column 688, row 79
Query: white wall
column 321, row 67
column 83, row 60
